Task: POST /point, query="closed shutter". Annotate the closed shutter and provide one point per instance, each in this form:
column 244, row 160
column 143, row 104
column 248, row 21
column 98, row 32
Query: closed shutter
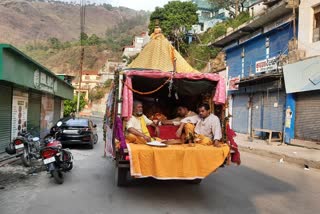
column 274, row 110
column 57, row 109
column 5, row 116
column 240, row 113
column 307, row 116
column 257, row 105
column 34, row 113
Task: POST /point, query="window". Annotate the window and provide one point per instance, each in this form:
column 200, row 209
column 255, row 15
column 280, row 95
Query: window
column 316, row 24
column 87, row 77
column 97, row 77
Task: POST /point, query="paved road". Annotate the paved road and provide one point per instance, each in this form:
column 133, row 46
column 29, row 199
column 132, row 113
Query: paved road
column 260, row 185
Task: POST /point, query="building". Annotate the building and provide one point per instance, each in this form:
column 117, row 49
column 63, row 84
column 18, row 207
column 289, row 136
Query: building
column 137, row 44
column 31, row 95
column 89, row 80
column 255, row 53
column 208, row 16
column 302, row 78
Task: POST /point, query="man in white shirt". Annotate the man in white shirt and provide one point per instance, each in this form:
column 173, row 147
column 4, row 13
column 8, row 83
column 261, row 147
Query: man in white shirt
column 182, row 112
column 137, row 131
column 204, row 128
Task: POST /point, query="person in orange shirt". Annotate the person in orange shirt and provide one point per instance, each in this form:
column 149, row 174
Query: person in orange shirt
column 137, row 131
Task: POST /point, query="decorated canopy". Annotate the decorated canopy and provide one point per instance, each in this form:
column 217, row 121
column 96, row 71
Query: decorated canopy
column 160, row 60
column 159, row 54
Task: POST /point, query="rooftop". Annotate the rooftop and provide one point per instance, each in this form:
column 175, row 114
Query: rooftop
column 272, row 14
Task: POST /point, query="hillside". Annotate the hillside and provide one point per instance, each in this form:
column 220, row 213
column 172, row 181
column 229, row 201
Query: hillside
column 29, row 24
column 25, row 20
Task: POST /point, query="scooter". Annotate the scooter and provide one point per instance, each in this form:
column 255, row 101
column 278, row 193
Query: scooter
column 56, row 159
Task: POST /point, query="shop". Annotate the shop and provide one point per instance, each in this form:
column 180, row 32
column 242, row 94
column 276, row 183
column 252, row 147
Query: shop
column 31, row 95
column 302, row 80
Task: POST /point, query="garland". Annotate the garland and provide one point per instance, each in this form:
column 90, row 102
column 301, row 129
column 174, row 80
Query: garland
column 149, row 92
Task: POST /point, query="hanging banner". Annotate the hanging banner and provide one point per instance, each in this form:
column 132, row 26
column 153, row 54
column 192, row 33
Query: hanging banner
column 19, row 112
column 233, row 83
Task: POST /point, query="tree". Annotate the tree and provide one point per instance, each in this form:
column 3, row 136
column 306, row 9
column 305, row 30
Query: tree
column 54, row 43
column 230, row 5
column 94, row 40
column 71, row 105
column 175, row 18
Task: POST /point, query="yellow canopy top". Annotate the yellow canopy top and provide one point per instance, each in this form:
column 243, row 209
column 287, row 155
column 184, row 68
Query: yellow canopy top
column 159, row 54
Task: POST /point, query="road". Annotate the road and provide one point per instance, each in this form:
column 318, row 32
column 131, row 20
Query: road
column 259, row 185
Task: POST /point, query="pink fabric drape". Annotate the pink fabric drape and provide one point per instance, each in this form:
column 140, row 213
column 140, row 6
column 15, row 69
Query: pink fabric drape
column 219, row 97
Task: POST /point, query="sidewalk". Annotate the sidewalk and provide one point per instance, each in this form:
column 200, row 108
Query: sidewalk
column 291, row 154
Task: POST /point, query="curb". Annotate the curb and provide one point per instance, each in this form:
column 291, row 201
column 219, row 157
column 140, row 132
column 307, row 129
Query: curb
column 298, row 161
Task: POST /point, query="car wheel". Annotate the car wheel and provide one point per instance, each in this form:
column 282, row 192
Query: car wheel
column 90, row 146
column 95, row 138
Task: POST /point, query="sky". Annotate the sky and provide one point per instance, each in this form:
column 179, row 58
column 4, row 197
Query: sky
column 134, row 4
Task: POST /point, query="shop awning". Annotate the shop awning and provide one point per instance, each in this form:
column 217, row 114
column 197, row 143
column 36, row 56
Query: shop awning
column 302, row 76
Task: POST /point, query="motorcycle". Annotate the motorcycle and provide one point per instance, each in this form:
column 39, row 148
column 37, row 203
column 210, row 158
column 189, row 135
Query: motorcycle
column 26, row 147
column 56, row 159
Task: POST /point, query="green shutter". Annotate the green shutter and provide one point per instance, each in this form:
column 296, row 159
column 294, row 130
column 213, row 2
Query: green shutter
column 57, row 109
column 34, row 113
column 5, row 116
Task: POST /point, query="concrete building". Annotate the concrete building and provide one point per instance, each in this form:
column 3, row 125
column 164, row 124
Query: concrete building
column 137, row 44
column 255, row 53
column 302, row 78
column 89, row 80
column 31, row 96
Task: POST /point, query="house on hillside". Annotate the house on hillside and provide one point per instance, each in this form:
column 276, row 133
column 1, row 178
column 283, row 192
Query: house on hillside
column 89, row 80
column 255, row 53
column 137, row 44
column 302, row 78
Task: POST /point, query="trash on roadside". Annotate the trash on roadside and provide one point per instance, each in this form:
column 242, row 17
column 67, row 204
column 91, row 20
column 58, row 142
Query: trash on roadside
column 281, row 160
column 306, row 167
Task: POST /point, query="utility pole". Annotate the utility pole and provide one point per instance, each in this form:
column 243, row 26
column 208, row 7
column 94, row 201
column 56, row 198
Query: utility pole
column 236, row 7
column 82, row 24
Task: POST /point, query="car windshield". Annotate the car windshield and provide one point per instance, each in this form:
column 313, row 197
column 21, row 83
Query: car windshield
column 77, row 122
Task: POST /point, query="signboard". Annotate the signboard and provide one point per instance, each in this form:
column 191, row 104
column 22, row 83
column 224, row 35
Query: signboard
column 47, row 114
column 44, row 82
column 233, row 84
column 19, row 114
column 267, row 65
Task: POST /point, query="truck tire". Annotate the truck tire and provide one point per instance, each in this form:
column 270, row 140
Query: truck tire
column 121, row 176
column 195, row 181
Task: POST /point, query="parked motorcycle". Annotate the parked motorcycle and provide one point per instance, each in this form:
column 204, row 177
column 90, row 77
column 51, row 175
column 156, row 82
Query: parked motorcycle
column 55, row 158
column 26, row 146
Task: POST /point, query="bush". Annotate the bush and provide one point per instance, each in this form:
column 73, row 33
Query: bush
column 71, row 105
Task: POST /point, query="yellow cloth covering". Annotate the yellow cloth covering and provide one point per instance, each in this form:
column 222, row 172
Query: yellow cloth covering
column 175, row 161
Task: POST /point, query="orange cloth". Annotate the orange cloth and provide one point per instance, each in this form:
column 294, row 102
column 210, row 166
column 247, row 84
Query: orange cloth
column 175, row 161
column 198, row 138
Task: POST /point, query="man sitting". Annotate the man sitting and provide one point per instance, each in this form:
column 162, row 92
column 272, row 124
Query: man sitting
column 137, row 131
column 182, row 112
column 207, row 129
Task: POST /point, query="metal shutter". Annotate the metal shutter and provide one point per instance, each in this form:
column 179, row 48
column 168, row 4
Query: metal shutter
column 34, row 113
column 307, row 116
column 257, row 106
column 240, row 113
column 273, row 117
column 5, row 116
column 57, row 109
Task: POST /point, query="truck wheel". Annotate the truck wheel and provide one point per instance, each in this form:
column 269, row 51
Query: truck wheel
column 195, row 181
column 121, row 176
column 58, row 176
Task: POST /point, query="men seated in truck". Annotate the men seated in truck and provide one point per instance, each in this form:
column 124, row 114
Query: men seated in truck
column 204, row 128
column 137, row 131
column 182, row 112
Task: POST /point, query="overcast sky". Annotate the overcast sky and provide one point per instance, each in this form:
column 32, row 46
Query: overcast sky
column 134, row 4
